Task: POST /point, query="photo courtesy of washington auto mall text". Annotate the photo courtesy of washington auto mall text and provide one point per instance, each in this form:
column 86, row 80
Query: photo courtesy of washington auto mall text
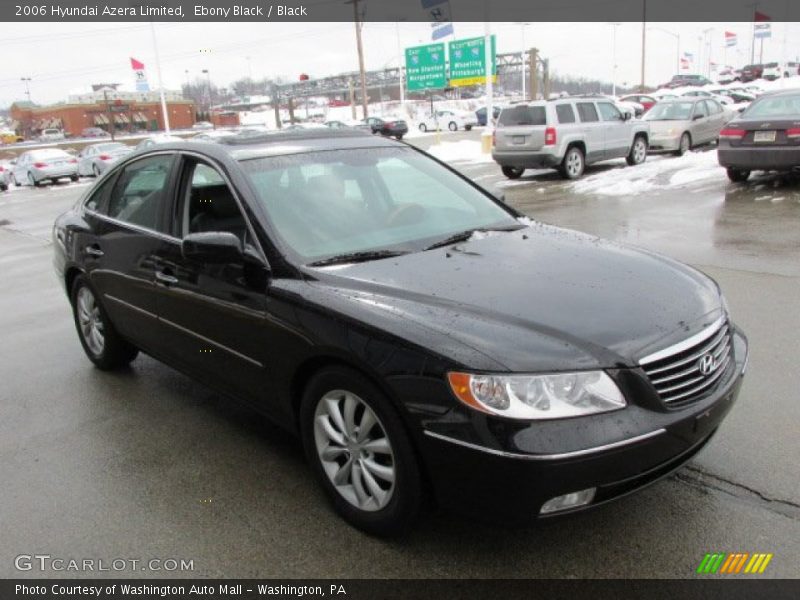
column 399, row 299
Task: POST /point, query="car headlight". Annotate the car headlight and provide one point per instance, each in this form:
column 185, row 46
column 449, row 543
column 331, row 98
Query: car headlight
column 553, row 396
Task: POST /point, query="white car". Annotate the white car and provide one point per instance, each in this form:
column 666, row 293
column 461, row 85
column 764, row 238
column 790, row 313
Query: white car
column 448, row 119
column 51, row 135
column 704, row 94
column 774, row 70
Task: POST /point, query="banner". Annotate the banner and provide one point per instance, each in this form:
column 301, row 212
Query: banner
column 140, row 76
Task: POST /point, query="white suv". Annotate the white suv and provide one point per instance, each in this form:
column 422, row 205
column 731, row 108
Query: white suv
column 567, row 134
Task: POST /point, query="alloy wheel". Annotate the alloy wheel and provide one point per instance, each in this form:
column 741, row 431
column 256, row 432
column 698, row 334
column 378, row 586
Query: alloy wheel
column 574, row 164
column 91, row 323
column 354, row 450
column 639, row 151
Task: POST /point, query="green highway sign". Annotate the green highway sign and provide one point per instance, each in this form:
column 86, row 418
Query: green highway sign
column 426, row 68
column 468, row 61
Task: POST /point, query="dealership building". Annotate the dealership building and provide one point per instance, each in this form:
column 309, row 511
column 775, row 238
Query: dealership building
column 105, row 107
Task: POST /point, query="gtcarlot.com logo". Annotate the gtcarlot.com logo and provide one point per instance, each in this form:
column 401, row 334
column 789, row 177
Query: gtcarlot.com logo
column 734, row 563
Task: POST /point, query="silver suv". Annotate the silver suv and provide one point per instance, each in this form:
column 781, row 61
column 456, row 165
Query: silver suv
column 566, row 134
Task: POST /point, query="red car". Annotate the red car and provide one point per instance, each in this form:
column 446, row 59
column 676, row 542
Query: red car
column 646, row 101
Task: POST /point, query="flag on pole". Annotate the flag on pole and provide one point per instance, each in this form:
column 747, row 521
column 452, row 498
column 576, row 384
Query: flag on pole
column 439, row 13
column 688, row 56
column 684, row 64
column 762, row 30
column 760, row 17
column 730, row 39
column 140, row 76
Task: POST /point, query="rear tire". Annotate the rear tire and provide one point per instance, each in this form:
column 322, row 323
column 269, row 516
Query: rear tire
column 468, row 127
column 638, row 153
column 423, row 128
column 14, row 181
column 381, row 490
column 574, row 163
column 100, row 341
column 685, row 144
column 453, row 126
column 95, row 171
column 33, row 181
column 398, row 137
column 74, row 178
column 512, row 172
column 738, row 175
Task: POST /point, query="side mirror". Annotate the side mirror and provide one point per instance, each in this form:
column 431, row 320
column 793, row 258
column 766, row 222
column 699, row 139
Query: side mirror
column 13, row 161
column 215, row 247
column 626, row 116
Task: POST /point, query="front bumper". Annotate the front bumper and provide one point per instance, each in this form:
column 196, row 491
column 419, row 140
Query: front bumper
column 764, row 158
column 664, row 143
column 489, row 466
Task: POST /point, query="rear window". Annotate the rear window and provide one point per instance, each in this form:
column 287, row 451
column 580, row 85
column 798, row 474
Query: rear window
column 565, row 113
column 587, row 112
column 522, row 115
column 788, row 106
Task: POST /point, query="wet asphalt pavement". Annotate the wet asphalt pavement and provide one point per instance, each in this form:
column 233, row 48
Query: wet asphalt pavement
column 148, row 464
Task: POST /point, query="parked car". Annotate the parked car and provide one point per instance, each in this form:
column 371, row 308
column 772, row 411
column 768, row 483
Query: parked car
column 729, row 75
column 203, row 125
column 706, row 94
column 766, row 137
column 395, row 128
column 679, row 125
column 94, row 132
column 646, row 101
column 5, row 175
column 159, row 138
column 47, row 164
column 480, row 114
column 686, row 80
column 537, row 369
column 96, row 158
column 10, row 137
column 214, row 136
column 448, row 119
column 51, row 135
column 751, row 73
column 338, row 125
column 566, row 134
column 738, row 97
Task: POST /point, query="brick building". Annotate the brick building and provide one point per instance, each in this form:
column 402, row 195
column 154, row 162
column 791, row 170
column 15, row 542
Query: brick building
column 124, row 115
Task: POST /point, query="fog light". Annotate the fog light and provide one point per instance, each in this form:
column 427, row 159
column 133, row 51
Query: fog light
column 568, row 501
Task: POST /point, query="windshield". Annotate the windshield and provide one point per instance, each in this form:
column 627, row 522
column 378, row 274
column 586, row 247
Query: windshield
column 325, row 204
column 775, row 106
column 670, row 111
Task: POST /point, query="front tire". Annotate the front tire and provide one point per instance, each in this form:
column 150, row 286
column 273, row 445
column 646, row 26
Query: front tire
column 452, row 126
column 468, row 127
column 95, row 171
column 423, row 128
column 14, row 181
column 738, row 175
column 513, row 172
column 574, row 163
column 685, row 144
column 638, row 153
column 32, row 181
column 360, row 452
column 101, row 342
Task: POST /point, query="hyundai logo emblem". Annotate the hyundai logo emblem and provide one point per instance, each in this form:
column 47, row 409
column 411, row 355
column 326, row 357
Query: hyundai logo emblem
column 707, row 364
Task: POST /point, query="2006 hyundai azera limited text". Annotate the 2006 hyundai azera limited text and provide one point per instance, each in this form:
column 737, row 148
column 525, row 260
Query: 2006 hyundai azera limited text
column 423, row 338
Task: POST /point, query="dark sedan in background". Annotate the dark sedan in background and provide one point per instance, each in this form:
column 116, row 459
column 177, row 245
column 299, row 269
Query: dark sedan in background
column 766, row 137
column 395, row 128
column 418, row 334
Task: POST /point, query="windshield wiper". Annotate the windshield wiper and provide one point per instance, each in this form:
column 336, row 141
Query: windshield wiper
column 354, row 257
column 463, row 236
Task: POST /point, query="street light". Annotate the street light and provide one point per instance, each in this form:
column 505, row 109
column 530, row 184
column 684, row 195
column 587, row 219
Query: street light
column 26, row 81
column 677, row 48
column 523, row 54
column 614, row 58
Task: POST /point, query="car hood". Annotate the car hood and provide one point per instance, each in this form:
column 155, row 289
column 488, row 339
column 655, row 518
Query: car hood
column 542, row 298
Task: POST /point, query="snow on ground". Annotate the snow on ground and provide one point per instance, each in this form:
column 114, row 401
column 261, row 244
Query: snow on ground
column 461, row 151
column 658, row 173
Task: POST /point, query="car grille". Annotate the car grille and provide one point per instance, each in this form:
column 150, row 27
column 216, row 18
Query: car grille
column 693, row 367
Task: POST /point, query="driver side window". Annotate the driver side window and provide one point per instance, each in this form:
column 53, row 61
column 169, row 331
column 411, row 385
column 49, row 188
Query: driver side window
column 209, row 204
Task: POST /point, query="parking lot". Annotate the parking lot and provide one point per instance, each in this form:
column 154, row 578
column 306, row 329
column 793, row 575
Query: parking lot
column 147, row 463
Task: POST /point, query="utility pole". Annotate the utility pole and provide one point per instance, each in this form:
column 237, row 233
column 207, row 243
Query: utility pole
column 533, row 59
column 109, row 115
column 352, row 87
column 644, row 40
column 362, row 73
column 401, row 61
column 614, row 59
column 276, row 104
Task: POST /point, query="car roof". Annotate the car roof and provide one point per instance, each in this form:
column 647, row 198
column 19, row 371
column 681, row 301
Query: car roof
column 298, row 141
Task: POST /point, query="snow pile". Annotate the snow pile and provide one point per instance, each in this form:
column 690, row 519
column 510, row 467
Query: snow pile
column 462, row 151
column 656, row 174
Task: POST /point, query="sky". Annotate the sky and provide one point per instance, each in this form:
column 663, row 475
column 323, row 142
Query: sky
column 66, row 58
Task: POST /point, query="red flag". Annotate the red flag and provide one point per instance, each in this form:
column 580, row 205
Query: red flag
column 730, row 34
column 136, row 65
column 760, row 17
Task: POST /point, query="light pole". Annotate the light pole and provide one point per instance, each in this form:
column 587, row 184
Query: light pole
column 614, row 59
column 707, row 44
column 360, row 48
column 677, row 46
column 26, row 81
column 401, row 60
column 523, row 54
column 208, row 92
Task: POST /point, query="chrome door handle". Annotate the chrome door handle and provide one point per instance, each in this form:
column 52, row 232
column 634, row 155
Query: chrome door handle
column 93, row 251
column 167, row 279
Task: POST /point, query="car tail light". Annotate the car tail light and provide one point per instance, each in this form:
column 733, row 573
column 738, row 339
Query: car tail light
column 732, row 134
column 792, row 133
column 550, row 136
column 1, row 169
column 494, row 138
column 73, row 160
column 104, row 157
column 39, row 165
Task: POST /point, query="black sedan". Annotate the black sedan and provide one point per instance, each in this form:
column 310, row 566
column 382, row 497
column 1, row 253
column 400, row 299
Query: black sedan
column 422, row 338
column 765, row 137
column 395, row 128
